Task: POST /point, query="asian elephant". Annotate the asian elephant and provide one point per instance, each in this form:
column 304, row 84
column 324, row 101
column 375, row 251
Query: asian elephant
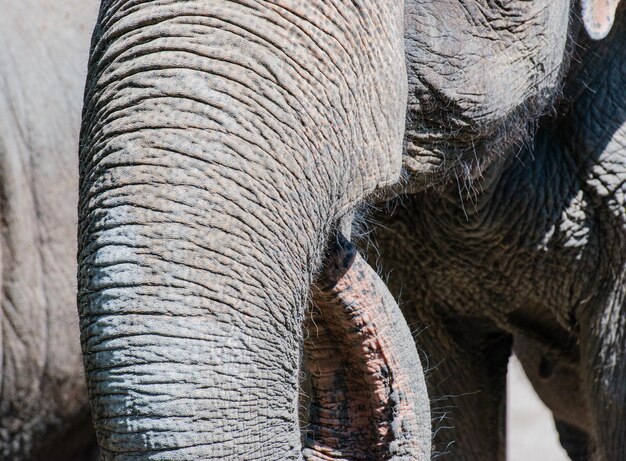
column 44, row 410
column 529, row 256
column 225, row 148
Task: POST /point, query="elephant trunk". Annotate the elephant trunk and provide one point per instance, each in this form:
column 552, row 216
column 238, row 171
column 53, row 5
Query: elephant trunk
column 368, row 396
column 212, row 169
column 191, row 297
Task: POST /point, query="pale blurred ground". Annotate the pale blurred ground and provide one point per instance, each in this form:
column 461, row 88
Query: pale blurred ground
column 531, row 432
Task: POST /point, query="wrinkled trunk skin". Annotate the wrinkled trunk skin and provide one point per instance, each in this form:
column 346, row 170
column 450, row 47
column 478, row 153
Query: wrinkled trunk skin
column 221, row 142
column 368, row 395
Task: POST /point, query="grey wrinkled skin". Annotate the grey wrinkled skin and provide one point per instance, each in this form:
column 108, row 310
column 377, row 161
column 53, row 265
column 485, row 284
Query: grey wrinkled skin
column 222, row 142
column 44, row 412
column 529, row 257
column 479, row 71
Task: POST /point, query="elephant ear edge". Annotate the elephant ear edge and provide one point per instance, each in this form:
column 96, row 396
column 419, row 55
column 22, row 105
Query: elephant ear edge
column 598, row 17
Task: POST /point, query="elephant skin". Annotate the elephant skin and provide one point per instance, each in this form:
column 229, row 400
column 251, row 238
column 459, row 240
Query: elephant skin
column 44, row 411
column 528, row 257
column 223, row 145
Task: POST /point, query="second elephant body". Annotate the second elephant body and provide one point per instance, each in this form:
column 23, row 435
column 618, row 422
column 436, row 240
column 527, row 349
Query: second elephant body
column 531, row 258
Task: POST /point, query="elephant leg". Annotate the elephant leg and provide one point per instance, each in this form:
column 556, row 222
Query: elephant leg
column 603, row 354
column 466, row 378
column 368, row 396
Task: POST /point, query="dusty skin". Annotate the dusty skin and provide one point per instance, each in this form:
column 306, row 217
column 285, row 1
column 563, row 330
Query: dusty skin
column 222, row 143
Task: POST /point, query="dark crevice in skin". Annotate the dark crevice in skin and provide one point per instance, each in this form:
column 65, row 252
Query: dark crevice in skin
column 462, row 154
column 575, row 442
column 556, row 341
column 363, row 404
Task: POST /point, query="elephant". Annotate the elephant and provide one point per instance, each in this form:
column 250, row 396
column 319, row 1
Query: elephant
column 226, row 149
column 530, row 257
column 44, row 409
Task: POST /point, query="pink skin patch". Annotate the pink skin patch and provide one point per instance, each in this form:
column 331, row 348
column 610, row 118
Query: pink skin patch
column 363, row 404
column 598, row 17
